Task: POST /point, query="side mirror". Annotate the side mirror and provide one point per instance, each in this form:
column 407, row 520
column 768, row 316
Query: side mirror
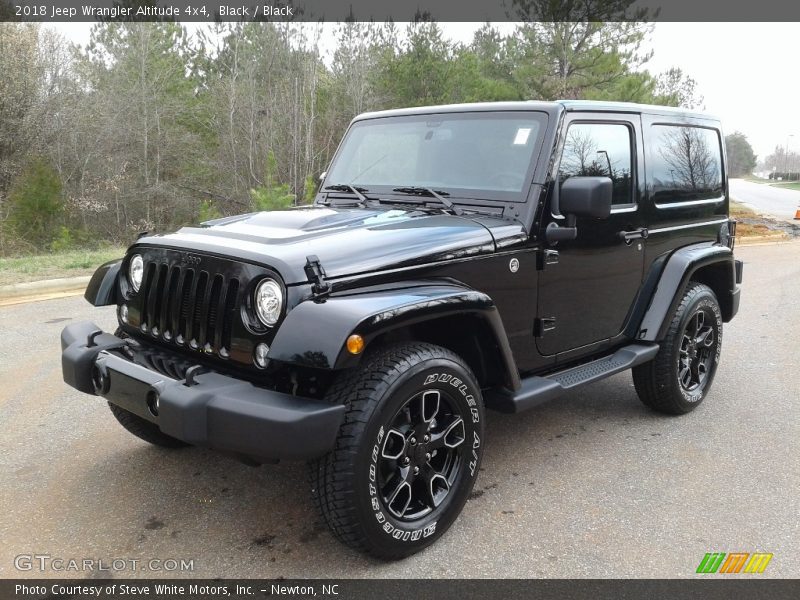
column 580, row 197
column 322, row 175
column 586, row 197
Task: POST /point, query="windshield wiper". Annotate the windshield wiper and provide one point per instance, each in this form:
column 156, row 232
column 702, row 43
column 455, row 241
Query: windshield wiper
column 357, row 192
column 425, row 191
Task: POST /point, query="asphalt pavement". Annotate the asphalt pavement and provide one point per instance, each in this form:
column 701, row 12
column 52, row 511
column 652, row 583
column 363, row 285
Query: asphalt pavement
column 594, row 485
column 769, row 200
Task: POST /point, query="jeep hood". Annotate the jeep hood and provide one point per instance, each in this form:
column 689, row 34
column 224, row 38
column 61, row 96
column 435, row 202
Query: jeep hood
column 348, row 241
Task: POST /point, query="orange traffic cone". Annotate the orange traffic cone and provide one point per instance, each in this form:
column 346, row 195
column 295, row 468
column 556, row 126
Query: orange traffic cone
column 797, row 214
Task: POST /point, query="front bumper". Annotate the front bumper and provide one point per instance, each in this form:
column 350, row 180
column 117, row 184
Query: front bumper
column 209, row 409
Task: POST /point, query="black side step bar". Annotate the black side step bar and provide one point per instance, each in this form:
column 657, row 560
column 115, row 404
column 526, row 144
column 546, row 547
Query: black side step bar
column 537, row 390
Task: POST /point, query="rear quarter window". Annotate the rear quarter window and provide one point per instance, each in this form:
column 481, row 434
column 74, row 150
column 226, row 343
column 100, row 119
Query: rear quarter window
column 685, row 164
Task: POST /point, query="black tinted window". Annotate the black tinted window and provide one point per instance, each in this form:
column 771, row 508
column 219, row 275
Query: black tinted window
column 600, row 150
column 684, row 164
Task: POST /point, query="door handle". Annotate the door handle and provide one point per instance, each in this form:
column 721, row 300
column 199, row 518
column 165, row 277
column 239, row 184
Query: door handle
column 629, row 236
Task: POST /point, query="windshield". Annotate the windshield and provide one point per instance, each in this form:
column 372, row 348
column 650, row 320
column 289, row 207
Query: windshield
column 483, row 155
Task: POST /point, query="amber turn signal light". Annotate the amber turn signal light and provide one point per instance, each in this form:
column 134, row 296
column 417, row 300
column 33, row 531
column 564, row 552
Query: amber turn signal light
column 355, row 344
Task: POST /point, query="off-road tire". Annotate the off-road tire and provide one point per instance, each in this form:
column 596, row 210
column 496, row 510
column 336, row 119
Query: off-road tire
column 144, row 429
column 348, row 484
column 659, row 382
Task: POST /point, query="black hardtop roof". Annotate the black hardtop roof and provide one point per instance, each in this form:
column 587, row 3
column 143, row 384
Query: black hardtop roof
column 553, row 108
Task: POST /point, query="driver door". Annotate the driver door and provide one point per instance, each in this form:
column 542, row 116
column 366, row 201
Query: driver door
column 587, row 291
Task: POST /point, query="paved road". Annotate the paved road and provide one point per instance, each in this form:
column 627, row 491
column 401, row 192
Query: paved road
column 591, row 486
column 770, row 201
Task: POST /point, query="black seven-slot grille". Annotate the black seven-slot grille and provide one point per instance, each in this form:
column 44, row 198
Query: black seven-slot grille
column 188, row 306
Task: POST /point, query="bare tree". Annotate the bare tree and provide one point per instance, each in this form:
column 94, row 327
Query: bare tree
column 690, row 157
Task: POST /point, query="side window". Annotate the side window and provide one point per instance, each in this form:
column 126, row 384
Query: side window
column 684, row 164
column 600, row 150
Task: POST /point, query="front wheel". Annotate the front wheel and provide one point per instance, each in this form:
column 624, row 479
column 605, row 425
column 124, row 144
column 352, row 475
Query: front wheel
column 408, row 453
column 678, row 379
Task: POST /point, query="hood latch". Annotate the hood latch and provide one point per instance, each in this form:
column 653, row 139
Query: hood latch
column 316, row 275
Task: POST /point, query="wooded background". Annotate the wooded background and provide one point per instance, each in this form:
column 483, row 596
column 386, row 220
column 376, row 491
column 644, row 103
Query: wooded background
column 147, row 128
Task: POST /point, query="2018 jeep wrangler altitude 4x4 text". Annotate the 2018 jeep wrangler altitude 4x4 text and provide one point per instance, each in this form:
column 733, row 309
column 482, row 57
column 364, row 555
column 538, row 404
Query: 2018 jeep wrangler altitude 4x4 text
column 456, row 257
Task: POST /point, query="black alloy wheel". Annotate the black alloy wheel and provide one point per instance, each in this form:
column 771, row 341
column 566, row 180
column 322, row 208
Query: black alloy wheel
column 697, row 351
column 407, row 454
column 679, row 378
column 421, row 455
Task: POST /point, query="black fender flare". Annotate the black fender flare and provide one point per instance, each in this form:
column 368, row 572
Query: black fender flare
column 677, row 270
column 314, row 333
column 102, row 288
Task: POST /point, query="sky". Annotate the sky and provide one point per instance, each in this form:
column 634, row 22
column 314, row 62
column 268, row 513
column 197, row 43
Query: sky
column 748, row 73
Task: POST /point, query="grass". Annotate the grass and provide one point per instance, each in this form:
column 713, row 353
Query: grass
column 739, row 210
column 792, row 185
column 73, row 263
column 784, row 185
column 745, row 217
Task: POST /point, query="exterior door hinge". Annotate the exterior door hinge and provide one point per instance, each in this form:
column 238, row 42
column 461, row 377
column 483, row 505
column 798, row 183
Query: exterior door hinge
column 546, row 257
column 543, row 324
column 316, row 275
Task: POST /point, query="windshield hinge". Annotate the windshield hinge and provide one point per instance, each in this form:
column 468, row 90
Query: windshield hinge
column 546, row 257
column 316, row 275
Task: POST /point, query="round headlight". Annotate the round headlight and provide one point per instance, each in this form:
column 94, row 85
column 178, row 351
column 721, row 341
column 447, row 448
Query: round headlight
column 268, row 302
column 136, row 271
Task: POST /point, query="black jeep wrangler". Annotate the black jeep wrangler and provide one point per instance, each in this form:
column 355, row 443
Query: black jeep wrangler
column 456, row 257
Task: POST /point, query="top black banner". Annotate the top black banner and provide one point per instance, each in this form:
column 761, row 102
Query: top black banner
column 397, row 10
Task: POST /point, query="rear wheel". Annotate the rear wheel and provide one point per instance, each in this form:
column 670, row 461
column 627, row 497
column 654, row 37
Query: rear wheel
column 407, row 454
column 680, row 376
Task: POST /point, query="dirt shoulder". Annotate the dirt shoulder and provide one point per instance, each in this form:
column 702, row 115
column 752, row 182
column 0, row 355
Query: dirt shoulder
column 753, row 226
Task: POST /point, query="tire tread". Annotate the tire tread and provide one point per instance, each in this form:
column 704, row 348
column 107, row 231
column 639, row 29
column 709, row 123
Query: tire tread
column 330, row 476
column 654, row 380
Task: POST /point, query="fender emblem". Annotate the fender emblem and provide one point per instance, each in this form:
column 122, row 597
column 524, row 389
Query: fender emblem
column 513, row 265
